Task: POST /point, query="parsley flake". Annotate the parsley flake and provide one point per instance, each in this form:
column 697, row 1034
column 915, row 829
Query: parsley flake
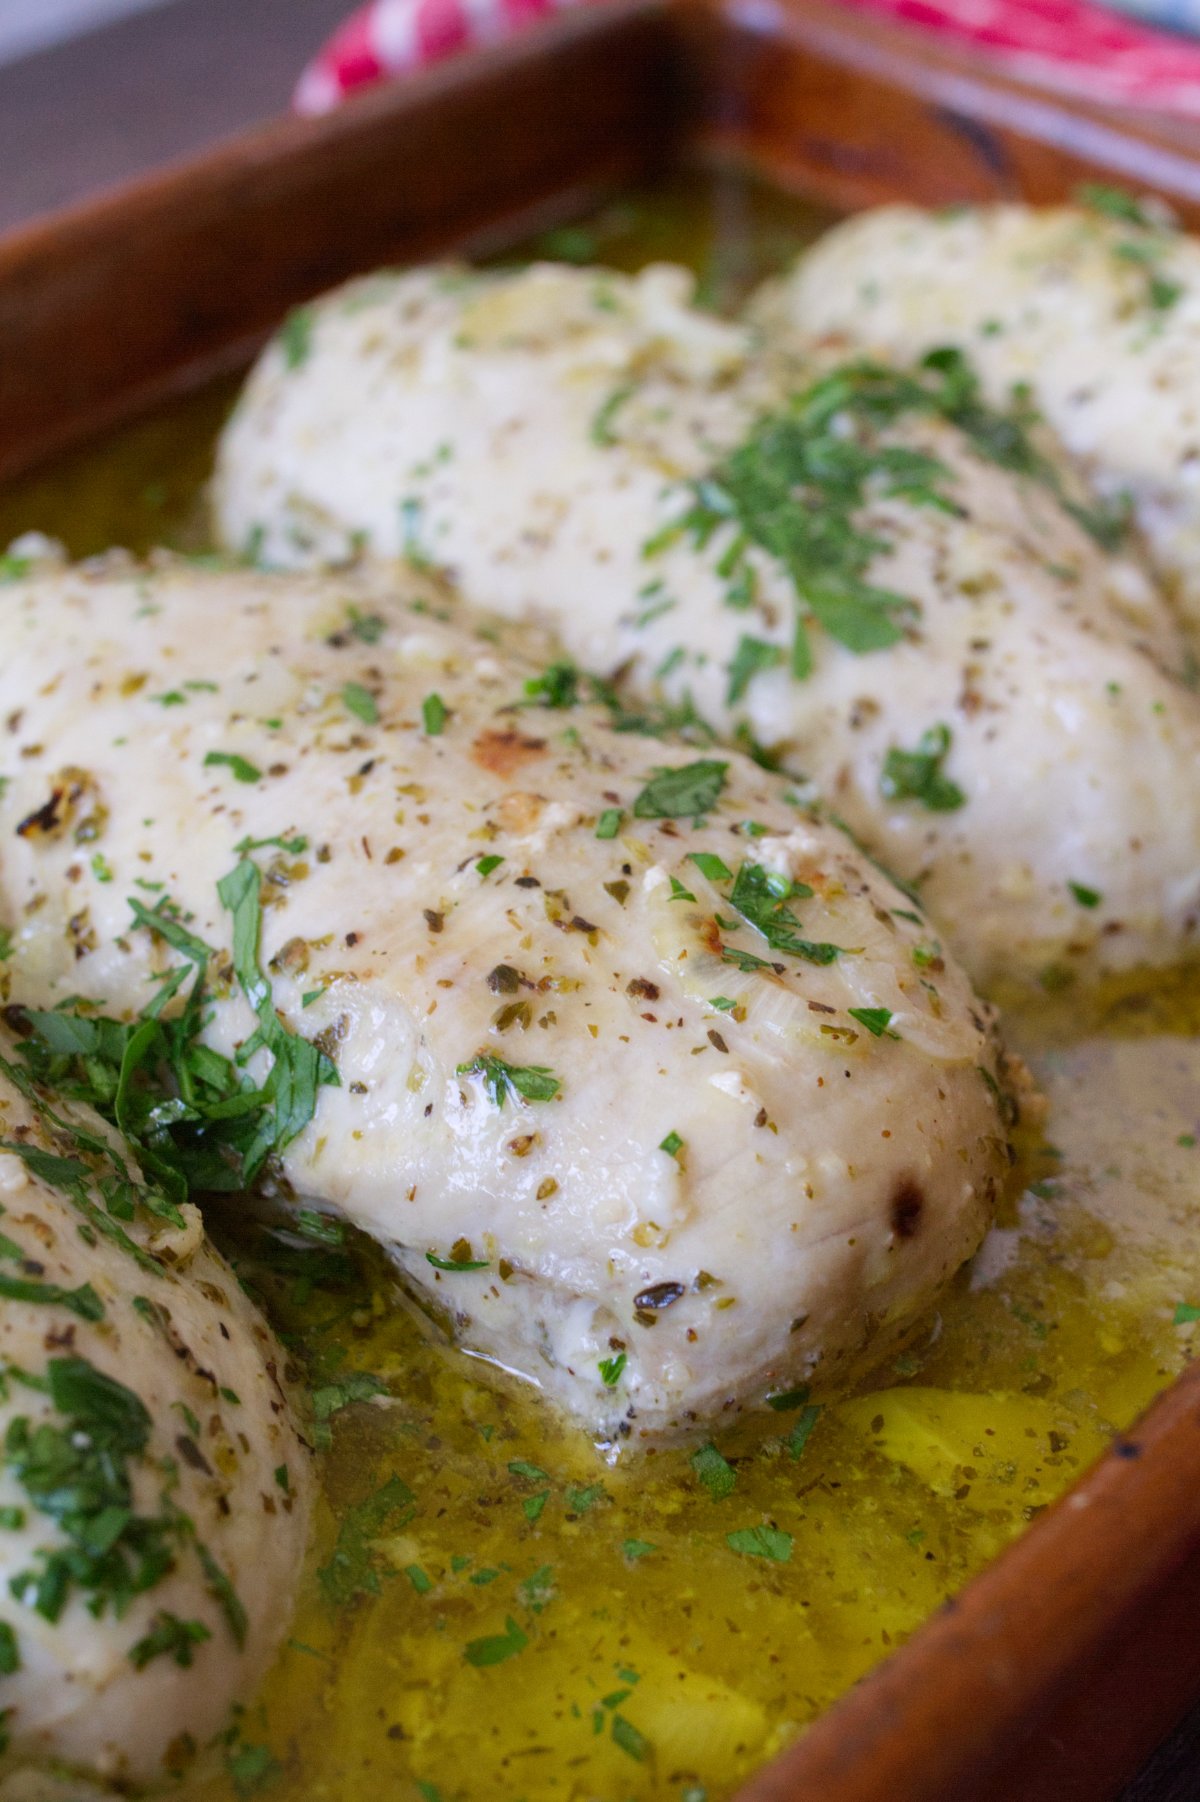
column 917, row 775
column 714, row 1471
column 875, row 1019
column 495, row 1648
column 361, row 703
column 710, row 866
column 295, row 337
column 241, row 768
column 1086, row 897
column 761, row 1542
column 673, row 794
column 752, row 656
column 531, row 1082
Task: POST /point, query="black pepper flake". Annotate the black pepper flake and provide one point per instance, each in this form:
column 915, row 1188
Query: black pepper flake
column 504, row 980
column 527, row 882
column 658, row 1297
column 435, row 921
column 715, row 1039
column 191, row 1454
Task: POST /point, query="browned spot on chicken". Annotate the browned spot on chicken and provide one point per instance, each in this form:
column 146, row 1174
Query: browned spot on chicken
column 906, row 1206
column 519, row 813
column 73, row 801
column 504, row 752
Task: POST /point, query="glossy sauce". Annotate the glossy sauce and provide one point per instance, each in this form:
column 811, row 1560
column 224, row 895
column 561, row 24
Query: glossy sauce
column 493, row 1612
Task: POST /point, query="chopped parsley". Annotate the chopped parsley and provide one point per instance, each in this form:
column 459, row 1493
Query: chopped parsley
column 79, row 1474
column 1113, row 203
column 434, row 714
column 361, row 703
column 194, row 1117
column 531, row 1473
column 609, row 823
column 368, row 628
column 710, row 866
column 460, row 1258
column 630, row 1739
column 752, row 656
column 486, row 865
column 918, row 775
column 793, row 489
column 637, row 1548
column 495, row 1648
column 785, row 1401
column 672, row 794
column 601, row 431
column 83, row 1302
column 715, row 1472
column 611, row 1369
column 295, row 337
column 250, row 1767
column 358, row 1386
column 761, row 897
column 295, row 846
column 169, row 1637
column 531, row 1082
column 761, row 1542
column 557, row 686
column 354, row 1567
column 672, row 1145
column 242, row 769
column 801, row 1432
column 877, row 1020
column 1086, row 897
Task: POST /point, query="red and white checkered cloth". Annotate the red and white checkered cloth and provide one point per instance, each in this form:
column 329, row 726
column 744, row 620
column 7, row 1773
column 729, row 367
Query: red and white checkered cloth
column 1069, row 45
column 396, row 37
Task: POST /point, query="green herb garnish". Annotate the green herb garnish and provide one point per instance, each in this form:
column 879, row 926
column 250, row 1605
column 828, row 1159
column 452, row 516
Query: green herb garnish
column 918, row 776
column 672, row 794
column 242, row 769
column 761, row 1542
column 532, row 1082
column 361, row 703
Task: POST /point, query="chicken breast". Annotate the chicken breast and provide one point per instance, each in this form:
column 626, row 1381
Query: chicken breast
column 1096, row 313
column 881, row 579
column 660, row 1094
column 154, row 1491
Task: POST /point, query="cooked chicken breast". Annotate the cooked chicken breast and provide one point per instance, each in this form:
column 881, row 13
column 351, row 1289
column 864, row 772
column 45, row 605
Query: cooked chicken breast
column 1096, row 313
column 876, row 575
column 154, row 1491
column 658, row 1091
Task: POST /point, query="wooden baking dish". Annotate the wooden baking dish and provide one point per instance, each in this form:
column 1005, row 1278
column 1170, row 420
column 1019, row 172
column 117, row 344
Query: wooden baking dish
column 1060, row 1667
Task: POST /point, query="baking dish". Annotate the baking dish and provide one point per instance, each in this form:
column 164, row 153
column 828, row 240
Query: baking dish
column 1059, row 1667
